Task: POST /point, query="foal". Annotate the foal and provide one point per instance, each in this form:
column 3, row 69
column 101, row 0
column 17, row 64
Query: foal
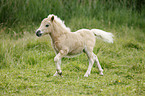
column 68, row 44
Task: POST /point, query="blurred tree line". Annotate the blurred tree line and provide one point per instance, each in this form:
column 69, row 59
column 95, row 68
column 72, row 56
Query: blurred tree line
column 24, row 11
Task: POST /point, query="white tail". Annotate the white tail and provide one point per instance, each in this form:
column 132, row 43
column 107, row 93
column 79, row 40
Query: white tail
column 105, row 36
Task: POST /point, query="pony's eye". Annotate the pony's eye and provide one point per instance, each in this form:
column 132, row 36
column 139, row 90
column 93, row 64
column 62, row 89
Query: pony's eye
column 47, row 25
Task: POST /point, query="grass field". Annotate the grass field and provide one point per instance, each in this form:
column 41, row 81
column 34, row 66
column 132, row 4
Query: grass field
column 26, row 61
column 27, row 66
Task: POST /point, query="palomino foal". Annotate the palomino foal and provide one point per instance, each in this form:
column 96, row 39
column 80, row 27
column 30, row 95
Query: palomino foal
column 67, row 43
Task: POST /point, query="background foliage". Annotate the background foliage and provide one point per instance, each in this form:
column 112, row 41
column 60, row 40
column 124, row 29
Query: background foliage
column 114, row 11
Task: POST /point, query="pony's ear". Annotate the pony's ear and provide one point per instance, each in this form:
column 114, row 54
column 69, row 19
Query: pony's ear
column 52, row 18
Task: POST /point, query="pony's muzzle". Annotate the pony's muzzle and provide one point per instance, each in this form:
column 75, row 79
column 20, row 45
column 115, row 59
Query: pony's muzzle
column 38, row 33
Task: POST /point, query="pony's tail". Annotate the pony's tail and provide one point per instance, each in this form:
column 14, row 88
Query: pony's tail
column 105, row 36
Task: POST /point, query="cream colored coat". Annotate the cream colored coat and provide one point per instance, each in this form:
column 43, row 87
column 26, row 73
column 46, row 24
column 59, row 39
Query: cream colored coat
column 68, row 44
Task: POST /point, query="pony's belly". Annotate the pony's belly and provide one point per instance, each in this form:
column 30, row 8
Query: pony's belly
column 72, row 55
column 76, row 51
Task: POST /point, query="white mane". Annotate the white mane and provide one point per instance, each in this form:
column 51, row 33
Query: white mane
column 59, row 22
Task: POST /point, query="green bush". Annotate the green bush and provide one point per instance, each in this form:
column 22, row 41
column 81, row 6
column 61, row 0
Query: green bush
column 130, row 12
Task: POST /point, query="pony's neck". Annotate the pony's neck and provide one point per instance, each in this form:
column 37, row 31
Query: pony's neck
column 57, row 32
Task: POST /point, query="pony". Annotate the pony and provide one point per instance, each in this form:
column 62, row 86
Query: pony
column 68, row 44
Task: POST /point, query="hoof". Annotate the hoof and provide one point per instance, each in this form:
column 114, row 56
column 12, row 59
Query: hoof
column 86, row 75
column 55, row 75
column 101, row 73
column 60, row 73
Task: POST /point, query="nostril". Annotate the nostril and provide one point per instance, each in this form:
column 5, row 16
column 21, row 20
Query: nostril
column 38, row 33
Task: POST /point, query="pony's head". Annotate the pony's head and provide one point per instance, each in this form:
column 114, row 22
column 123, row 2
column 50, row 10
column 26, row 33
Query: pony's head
column 49, row 24
column 46, row 26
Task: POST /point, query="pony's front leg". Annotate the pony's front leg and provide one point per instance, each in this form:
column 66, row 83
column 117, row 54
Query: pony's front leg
column 57, row 61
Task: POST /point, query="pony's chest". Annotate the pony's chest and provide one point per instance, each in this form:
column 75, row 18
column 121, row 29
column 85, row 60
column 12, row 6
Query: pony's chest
column 56, row 47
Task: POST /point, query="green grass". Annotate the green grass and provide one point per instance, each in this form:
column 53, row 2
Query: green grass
column 27, row 66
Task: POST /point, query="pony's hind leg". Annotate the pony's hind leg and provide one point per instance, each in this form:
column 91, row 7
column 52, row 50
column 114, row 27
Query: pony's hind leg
column 98, row 64
column 91, row 62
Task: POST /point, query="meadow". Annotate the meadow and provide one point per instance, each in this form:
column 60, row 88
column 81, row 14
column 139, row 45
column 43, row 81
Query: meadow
column 27, row 62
